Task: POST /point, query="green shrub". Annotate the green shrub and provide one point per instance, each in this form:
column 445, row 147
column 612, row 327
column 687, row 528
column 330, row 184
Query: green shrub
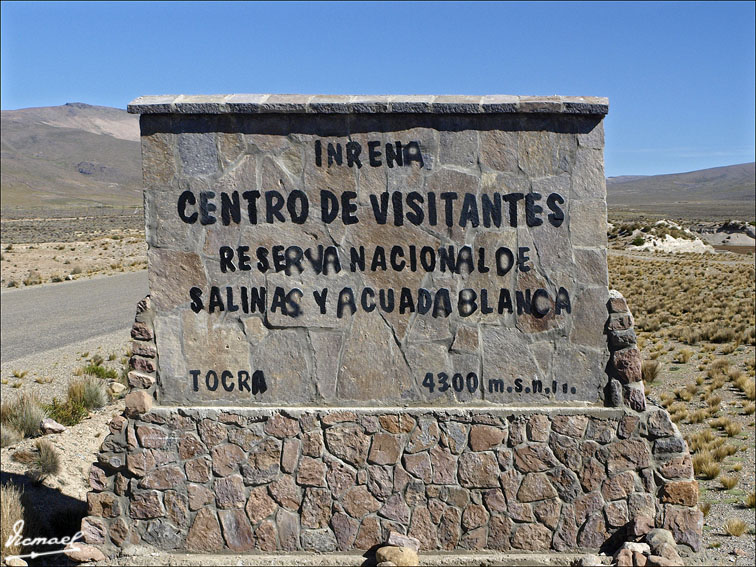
column 100, row 371
column 638, row 241
column 67, row 413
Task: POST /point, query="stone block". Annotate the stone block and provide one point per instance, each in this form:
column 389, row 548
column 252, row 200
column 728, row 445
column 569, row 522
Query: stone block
column 683, row 492
column 478, row 470
column 205, row 533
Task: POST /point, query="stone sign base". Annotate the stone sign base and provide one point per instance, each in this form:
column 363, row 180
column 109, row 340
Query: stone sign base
column 313, row 479
column 242, row 479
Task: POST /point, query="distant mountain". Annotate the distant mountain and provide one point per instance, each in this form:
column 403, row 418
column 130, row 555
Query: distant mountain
column 78, row 155
column 75, row 155
column 728, row 191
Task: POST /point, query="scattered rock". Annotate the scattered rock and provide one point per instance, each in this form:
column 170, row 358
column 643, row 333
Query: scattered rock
column 137, row 403
column 400, row 540
column 624, row 558
column 399, row 556
column 115, row 388
column 656, row 537
column 83, row 553
column 49, row 425
column 588, row 561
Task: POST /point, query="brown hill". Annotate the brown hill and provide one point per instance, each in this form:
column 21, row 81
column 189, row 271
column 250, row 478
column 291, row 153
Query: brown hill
column 719, row 192
column 69, row 156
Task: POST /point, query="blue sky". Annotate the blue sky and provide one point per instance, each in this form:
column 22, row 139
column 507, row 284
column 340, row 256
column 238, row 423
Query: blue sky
column 679, row 76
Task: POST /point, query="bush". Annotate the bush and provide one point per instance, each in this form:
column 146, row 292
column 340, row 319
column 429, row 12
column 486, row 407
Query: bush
column 24, row 414
column 88, row 392
column 9, row 435
column 33, row 278
column 11, row 511
column 638, row 241
column 46, row 462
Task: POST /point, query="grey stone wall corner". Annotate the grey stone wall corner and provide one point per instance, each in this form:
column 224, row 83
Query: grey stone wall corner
column 107, row 524
column 671, row 476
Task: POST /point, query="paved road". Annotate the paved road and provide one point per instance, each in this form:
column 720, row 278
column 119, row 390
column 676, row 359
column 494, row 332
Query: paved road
column 40, row 318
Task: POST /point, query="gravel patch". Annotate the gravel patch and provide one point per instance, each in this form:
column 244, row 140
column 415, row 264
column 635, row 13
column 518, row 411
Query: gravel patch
column 49, row 373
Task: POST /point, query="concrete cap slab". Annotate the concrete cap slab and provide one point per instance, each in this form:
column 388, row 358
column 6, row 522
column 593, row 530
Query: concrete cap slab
column 366, row 104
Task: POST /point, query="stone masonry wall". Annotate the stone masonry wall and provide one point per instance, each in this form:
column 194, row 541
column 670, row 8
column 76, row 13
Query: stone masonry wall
column 244, row 480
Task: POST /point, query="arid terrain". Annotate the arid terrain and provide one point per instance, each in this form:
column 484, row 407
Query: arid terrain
column 694, row 315
column 71, row 255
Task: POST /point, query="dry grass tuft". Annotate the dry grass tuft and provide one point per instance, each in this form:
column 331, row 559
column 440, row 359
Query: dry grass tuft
column 701, row 440
column 750, row 501
column 728, row 482
column 723, row 451
column 11, row 511
column 89, row 392
column 732, row 429
column 650, row 370
column 46, row 462
column 734, row 527
column 735, row 374
column 705, row 507
column 748, row 387
column 698, row 416
column 683, row 355
column 9, row 435
column 705, row 465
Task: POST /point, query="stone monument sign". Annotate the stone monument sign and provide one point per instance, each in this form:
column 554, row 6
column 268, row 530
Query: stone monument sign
column 376, row 252
column 382, row 314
